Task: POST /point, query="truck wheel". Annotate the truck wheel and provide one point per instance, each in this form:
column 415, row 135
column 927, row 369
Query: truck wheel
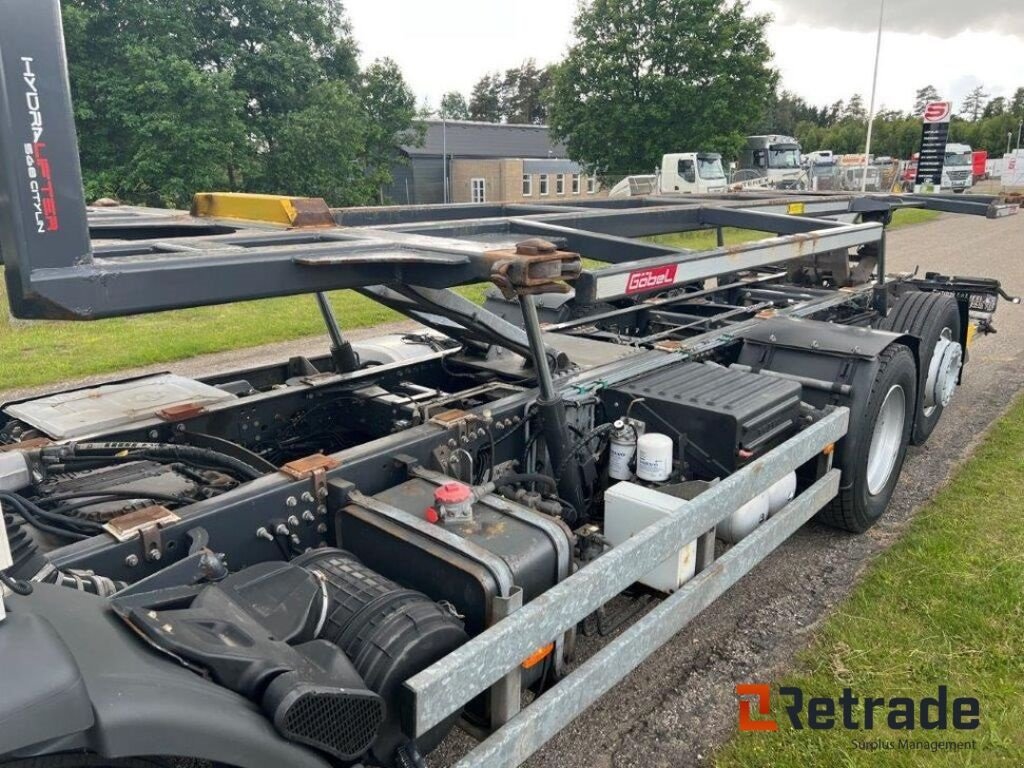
column 934, row 318
column 871, row 455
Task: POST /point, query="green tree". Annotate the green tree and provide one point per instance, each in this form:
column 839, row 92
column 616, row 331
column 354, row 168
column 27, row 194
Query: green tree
column 331, row 122
column 1017, row 103
column 786, row 111
column 995, row 107
column 486, row 99
column 389, row 106
column 453, row 106
column 174, row 96
column 974, row 104
column 524, row 91
column 855, row 108
column 922, row 96
column 652, row 76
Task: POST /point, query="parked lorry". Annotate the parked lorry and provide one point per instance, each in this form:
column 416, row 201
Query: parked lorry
column 334, row 560
column 957, row 168
column 774, row 157
column 680, row 173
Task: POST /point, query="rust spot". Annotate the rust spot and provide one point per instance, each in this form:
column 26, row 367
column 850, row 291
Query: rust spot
column 180, row 412
column 300, row 469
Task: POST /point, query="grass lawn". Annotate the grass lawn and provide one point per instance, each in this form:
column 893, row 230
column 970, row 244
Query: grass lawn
column 944, row 606
column 40, row 352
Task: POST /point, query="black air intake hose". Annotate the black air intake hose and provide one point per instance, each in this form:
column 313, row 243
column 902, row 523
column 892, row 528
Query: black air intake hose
column 72, row 456
column 390, row 633
column 29, row 564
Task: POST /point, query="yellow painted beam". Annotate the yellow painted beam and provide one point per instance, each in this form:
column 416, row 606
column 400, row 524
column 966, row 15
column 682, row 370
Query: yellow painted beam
column 266, row 209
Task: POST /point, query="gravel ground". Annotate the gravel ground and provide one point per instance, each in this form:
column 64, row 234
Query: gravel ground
column 679, row 705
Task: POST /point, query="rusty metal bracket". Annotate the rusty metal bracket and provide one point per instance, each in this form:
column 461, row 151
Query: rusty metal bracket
column 534, row 266
column 313, row 468
column 144, row 524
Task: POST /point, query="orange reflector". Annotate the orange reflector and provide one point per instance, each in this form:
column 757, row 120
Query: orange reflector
column 538, row 656
column 829, row 449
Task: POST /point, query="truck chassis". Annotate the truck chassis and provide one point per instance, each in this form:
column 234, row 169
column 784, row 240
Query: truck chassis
column 460, row 476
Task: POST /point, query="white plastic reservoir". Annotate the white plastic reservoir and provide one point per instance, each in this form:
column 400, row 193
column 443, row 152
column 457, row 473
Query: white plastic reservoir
column 654, row 457
column 628, row 509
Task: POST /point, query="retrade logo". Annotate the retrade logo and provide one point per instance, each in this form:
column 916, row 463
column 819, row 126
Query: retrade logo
column 37, row 165
column 854, row 713
column 648, row 279
column 938, row 111
column 761, row 694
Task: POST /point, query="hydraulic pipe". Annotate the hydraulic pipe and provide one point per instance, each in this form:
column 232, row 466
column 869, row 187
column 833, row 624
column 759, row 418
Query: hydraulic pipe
column 551, row 408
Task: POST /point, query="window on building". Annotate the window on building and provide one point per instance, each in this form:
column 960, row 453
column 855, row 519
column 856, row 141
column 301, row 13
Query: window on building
column 527, row 184
column 543, row 183
column 478, row 190
column 591, row 185
column 560, row 184
column 575, row 183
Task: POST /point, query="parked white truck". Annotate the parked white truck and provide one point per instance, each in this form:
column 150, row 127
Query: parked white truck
column 681, row 173
column 775, row 158
column 957, row 167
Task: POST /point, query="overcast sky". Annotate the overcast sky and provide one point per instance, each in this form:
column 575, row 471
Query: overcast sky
column 824, row 48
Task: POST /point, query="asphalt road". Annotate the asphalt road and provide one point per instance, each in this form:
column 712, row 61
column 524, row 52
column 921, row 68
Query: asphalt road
column 679, row 705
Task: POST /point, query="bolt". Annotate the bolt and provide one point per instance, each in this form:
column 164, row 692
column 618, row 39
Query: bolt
column 308, row 516
column 131, row 561
column 295, row 540
column 452, row 443
column 815, row 344
column 293, row 521
column 155, row 554
column 263, row 533
column 180, row 427
column 153, row 434
column 281, row 529
column 322, row 493
column 291, row 501
column 322, row 528
column 307, row 497
column 465, row 440
column 322, row 509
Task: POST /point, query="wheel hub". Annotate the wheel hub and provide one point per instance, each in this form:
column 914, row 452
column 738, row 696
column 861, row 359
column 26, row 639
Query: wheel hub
column 886, row 439
column 943, row 372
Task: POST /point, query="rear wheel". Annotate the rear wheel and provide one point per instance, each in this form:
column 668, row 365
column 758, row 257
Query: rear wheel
column 934, row 318
column 871, row 455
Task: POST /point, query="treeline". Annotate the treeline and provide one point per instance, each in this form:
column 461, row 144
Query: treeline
column 177, row 96
column 520, row 95
column 982, row 123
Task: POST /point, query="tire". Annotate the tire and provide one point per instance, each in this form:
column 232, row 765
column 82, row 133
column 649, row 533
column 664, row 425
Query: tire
column 868, row 479
column 933, row 318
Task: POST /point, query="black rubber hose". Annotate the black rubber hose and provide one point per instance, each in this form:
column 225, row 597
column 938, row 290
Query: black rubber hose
column 160, row 452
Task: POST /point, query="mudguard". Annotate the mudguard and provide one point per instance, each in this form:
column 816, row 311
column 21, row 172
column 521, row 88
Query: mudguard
column 90, row 684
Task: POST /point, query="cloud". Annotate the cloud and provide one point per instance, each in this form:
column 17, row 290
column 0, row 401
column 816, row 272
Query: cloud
column 942, row 18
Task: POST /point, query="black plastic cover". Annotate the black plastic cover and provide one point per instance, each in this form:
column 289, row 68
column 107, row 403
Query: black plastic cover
column 720, row 411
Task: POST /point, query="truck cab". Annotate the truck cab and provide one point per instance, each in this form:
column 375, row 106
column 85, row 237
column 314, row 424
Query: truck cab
column 775, row 157
column 957, row 168
column 692, row 173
